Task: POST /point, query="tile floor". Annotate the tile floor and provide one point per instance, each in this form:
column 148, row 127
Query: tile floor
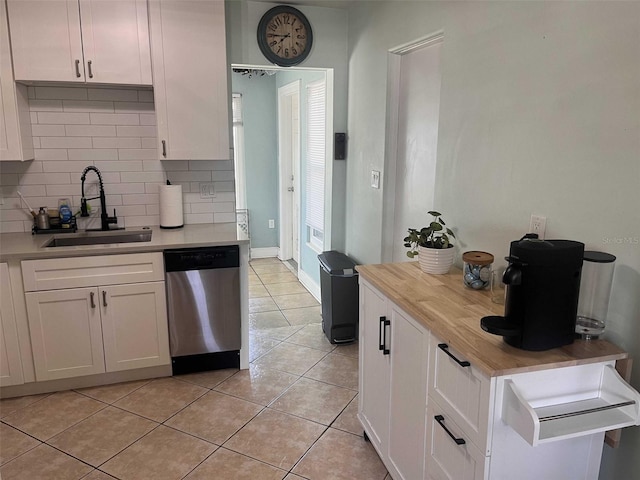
column 292, row 415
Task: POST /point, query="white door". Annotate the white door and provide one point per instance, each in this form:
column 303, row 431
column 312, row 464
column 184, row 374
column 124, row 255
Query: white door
column 289, row 166
column 10, row 362
column 134, row 326
column 46, row 40
column 66, row 334
column 115, row 36
column 418, row 107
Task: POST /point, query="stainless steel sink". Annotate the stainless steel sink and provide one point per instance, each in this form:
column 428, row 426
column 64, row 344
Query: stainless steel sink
column 99, row 238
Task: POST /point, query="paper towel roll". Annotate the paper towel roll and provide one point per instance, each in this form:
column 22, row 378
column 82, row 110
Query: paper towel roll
column 171, row 206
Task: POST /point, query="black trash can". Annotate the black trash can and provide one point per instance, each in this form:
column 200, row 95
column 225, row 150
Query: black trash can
column 339, row 290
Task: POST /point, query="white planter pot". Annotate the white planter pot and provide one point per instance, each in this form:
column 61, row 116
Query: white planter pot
column 437, row 261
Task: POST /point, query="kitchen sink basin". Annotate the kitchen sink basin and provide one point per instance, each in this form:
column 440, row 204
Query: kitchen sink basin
column 99, row 238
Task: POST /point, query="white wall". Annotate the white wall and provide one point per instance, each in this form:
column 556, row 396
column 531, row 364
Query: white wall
column 539, row 113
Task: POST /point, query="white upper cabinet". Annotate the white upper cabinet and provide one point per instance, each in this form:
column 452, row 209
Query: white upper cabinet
column 48, row 36
column 15, row 124
column 188, row 47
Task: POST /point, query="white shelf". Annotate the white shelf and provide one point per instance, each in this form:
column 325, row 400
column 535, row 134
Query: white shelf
column 611, row 404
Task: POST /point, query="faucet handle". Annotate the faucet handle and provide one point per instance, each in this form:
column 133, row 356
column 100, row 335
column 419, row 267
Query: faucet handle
column 113, row 219
column 84, row 211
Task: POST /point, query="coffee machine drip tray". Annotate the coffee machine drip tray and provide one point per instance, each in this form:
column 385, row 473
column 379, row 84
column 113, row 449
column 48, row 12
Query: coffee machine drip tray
column 499, row 326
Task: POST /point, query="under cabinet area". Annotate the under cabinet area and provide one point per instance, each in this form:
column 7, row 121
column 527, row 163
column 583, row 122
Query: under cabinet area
column 92, row 41
column 96, row 319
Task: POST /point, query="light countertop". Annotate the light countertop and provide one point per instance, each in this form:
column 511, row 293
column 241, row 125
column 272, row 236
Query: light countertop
column 452, row 312
column 22, row 246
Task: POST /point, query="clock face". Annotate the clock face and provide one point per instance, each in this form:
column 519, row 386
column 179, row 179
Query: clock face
column 285, row 36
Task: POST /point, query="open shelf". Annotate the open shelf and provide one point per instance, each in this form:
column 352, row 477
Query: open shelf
column 613, row 404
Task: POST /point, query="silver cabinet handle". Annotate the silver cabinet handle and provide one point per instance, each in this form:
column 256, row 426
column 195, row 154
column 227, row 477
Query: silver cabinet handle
column 78, row 69
column 90, row 70
column 164, row 148
column 104, row 298
column 93, row 302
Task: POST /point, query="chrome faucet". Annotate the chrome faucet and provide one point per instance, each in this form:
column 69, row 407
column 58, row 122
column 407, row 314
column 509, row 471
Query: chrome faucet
column 105, row 219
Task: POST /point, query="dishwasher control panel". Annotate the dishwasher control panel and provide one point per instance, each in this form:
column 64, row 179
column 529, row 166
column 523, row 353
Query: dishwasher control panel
column 202, row 258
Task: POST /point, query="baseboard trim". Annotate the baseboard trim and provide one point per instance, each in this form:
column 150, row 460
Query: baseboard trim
column 265, row 252
column 309, row 284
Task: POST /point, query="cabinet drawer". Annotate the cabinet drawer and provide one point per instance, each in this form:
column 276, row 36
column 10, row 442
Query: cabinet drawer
column 461, row 390
column 446, row 456
column 59, row 273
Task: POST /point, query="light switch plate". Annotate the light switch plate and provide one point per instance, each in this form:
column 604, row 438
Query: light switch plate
column 207, row 190
column 375, row 179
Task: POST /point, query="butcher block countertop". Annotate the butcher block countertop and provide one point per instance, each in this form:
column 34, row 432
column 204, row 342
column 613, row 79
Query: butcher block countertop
column 452, row 312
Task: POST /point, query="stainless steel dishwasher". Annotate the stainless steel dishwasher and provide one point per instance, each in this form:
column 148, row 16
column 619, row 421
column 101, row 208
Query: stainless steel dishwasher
column 203, row 303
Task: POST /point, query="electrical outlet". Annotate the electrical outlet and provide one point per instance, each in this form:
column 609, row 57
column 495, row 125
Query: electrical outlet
column 272, row 223
column 375, row 179
column 207, row 190
column 538, row 224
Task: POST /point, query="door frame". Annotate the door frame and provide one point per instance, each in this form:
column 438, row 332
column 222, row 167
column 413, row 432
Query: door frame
column 285, row 170
column 394, row 58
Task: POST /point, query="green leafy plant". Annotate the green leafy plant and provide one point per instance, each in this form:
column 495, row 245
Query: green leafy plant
column 436, row 235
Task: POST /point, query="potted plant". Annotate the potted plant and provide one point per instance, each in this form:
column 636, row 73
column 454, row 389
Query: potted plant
column 433, row 245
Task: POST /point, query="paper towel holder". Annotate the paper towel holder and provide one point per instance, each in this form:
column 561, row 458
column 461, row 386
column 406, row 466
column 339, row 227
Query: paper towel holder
column 171, row 207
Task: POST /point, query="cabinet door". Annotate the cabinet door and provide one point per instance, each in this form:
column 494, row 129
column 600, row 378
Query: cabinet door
column 409, row 357
column 66, row 335
column 134, row 324
column 375, row 367
column 46, row 40
column 115, row 40
column 190, row 70
column 10, row 363
column 15, row 125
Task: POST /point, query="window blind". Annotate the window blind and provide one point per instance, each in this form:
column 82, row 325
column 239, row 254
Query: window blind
column 315, row 157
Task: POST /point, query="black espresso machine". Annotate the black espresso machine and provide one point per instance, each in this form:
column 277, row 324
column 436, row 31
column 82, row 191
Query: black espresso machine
column 543, row 283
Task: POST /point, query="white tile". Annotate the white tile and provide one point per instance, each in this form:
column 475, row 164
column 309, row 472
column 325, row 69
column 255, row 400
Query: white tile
column 25, row 190
column 133, row 107
column 186, row 208
column 224, row 197
column 190, row 218
column 145, row 95
column 115, row 119
column 87, row 106
column 50, row 154
column 137, row 154
column 152, row 166
column 141, row 199
column 64, row 166
column 62, row 190
column 194, row 187
column 119, row 166
column 224, row 218
column 175, row 165
column 37, row 105
column 66, row 142
column 64, row 118
column 132, row 131
column 221, row 207
column 149, row 142
column 90, row 130
column 92, row 154
column 153, row 209
column 34, row 117
column 219, row 186
column 126, row 188
column 152, row 187
column 202, row 176
column 61, row 93
column 48, row 130
column 111, row 177
column 113, row 94
column 44, row 178
column 36, row 142
column 137, row 177
column 11, row 227
column 147, row 119
column 131, row 210
column 210, row 165
column 223, row 176
column 117, row 142
column 195, row 198
column 143, row 221
column 14, row 215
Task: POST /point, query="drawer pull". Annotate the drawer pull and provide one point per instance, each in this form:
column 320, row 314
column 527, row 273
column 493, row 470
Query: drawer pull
column 440, row 420
column 104, row 298
column 380, row 329
column 78, row 68
column 385, row 350
column 93, row 302
column 445, row 348
column 90, row 69
column 164, row 148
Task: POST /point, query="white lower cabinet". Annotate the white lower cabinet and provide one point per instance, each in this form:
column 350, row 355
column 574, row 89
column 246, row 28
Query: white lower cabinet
column 393, row 376
column 10, row 362
column 87, row 330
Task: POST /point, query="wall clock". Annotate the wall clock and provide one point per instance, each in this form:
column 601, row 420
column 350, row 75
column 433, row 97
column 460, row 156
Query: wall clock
column 285, row 36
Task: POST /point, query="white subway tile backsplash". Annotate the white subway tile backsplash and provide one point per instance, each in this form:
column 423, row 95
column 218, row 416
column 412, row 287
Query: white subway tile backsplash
column 113, row 94
column 63, row 118
column 113, row 129
column 61, row 93
column 65, row 142
column 133, row 131
column 117, row 142
column 115, row 119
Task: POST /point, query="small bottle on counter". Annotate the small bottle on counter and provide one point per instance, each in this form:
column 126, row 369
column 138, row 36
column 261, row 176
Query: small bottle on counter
column 64, row 210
